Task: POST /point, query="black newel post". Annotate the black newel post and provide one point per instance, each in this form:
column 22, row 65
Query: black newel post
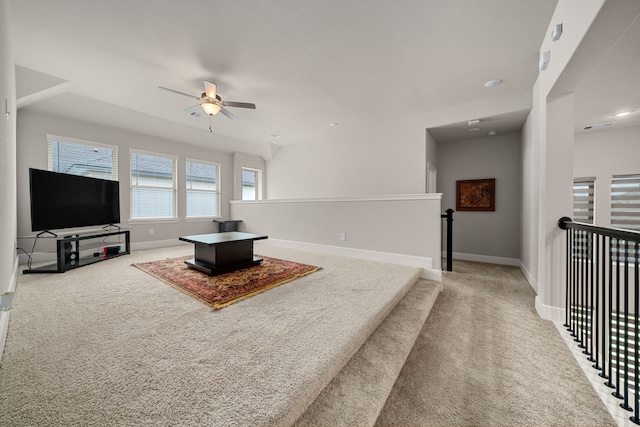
column 449, row 217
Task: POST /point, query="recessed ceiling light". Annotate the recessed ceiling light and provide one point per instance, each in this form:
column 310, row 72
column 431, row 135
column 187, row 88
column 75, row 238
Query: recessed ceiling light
column 492, row 132
column 274, row 135
column 473, row 122
column 623, row 113
column 474, row 129
column 334, row 124
column 492, row 83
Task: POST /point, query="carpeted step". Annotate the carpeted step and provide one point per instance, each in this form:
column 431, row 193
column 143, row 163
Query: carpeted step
column 117, row 346
column 357, row 394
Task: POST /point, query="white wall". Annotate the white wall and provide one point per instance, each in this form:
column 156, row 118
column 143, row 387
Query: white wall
column 8, row 258
column 530, row 193
column 486, row 235
column 602, row 155
column 548, row 157
column 32, row 153
column 388, row 158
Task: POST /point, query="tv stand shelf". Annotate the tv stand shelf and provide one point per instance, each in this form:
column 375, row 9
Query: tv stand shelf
column 68, row 252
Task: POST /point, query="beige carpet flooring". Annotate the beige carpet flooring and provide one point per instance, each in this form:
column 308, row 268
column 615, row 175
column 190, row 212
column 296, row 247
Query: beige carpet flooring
column 109, row 345
column 485, row 358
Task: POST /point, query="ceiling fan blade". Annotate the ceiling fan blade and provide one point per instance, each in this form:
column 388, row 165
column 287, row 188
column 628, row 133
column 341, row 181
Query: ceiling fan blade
column 196, row 111
column 178, row 92
column 210, row 89
column 239, row 104
column 229, row 114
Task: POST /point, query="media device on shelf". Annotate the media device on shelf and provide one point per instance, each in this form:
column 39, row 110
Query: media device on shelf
column 61, row 200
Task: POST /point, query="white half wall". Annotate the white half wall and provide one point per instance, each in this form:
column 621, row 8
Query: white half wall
column 406, row 226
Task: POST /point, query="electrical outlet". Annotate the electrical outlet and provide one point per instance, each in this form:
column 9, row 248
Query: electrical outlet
column 151, row 231
column 343, row 236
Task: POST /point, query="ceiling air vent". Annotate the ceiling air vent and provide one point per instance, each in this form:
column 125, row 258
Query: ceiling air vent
column 599, row 126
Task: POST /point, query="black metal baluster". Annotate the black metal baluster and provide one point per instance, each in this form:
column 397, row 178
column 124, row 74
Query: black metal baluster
column 596, row 304
column 609, row 383
column 575, row 297
column 583, row 290
column 625, row 403
column 636, row 306
column 591, row 312
column 617, row 392
column 569, row 249
column 603, row 319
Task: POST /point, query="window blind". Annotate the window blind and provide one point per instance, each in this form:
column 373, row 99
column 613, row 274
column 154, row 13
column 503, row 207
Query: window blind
column 583, row 211
column 203, row 195
column 153, row 186
column 249, row 184
column 82, row 158
column 625, row 202
column 583, row 200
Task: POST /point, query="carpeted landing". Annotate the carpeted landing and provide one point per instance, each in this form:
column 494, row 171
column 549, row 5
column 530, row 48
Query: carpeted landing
column 107, row 344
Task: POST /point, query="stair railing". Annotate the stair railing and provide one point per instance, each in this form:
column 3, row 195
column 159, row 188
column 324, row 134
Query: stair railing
column 602, row 304
column 449, row 218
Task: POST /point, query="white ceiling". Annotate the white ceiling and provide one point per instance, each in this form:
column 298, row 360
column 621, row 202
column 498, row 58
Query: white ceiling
column 305, row 64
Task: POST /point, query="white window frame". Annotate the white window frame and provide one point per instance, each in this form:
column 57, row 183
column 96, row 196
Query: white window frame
column 217, row 192
column 51, row 139
column 132, row 185
column 258, row 188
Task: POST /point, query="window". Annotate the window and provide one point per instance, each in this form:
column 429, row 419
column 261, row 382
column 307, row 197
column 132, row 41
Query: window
column 625, row 202
column 203, row 191
column 583, row 211
column 153, row 186
column 583, row 200
column 83, row 158
column 251, row 184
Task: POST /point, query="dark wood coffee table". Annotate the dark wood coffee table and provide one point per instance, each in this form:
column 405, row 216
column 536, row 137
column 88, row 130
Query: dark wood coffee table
column 220, row 253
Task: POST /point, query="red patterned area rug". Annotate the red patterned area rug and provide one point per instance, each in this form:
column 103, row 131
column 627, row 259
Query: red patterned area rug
column 221, row 291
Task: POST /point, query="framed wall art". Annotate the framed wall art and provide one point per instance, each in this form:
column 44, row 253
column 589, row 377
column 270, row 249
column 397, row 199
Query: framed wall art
column 476, row 195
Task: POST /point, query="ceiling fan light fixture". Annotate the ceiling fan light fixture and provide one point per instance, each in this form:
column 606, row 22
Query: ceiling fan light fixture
column 210, row 108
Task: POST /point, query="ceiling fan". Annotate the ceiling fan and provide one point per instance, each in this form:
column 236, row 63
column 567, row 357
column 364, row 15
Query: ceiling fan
column 211, row 103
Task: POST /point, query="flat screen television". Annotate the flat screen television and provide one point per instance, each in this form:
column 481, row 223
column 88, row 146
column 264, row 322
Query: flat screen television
column 60, row 200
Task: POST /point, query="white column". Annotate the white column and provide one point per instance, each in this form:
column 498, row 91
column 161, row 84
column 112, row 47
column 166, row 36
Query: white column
column 556, row 201
column 8, row 227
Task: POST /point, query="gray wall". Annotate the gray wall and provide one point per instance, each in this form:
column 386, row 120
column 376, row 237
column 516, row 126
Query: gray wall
column 33, row 127
column 484, row 235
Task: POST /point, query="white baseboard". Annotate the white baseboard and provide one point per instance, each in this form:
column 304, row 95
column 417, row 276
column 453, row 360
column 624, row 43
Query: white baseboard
column 428, row 272
column 484, row 258
column 5, row 312
column 157, row 244
column 527, row 275
column 548, row 312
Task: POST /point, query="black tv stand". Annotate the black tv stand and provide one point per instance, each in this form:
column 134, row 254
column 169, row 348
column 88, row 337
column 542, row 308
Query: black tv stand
column 68, row 252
